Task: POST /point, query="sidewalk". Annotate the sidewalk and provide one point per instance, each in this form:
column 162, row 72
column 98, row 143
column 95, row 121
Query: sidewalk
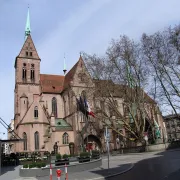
column 98, row 173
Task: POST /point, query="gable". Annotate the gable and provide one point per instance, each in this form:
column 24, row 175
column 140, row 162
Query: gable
column 28, row 50
column 78, row 75
column 29, row 115
column 29, row 47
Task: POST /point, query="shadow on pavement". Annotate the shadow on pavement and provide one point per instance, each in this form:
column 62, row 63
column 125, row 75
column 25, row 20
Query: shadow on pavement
column 6, row 169
column 164, row 166
column 111, row 171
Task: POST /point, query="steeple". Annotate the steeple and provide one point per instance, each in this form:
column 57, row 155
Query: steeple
column 64, row 65
column 28, row 26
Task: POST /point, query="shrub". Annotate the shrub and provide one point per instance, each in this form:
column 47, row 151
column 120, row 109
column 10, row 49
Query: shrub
column 65, row 156
column 43, row 164
column 58, row 156
column 84, row 154
column 25, row 166
column 95, row 152
column 39, row 165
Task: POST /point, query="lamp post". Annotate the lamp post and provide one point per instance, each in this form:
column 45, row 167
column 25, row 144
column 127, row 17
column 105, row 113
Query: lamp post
column 107, row 137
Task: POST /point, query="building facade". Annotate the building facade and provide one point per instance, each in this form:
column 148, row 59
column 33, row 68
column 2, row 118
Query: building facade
column 45, row 106
column 172, row 123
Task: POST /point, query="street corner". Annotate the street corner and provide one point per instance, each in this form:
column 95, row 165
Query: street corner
column 111, row 172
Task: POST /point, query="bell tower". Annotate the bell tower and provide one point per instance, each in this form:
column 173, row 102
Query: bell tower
column 27, row 72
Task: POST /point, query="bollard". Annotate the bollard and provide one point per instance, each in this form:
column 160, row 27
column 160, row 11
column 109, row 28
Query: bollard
column 58, row 173
column 50, row 172
column 66, row 174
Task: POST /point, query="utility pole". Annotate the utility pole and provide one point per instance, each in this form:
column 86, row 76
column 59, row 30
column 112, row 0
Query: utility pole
column 107, row 143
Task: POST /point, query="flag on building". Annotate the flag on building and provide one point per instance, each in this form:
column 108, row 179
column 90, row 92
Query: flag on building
column 84, row 107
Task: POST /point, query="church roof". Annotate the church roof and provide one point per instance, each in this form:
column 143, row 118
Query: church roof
column 118, row 90
column 51, row 83
column 69, row 76
column 57, row 83
column 61, row 124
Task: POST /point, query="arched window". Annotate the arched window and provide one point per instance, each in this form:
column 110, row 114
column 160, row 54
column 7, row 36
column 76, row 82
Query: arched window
column 54, row 106
column 36, row 112
column 64, row 106
column 24, row 72
column 65, row 138
column 25, row 141
column 36, row 140
column 32, row 73
column 83, row 94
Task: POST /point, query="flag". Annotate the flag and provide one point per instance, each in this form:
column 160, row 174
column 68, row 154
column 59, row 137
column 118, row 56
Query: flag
column 81, row 106
column 88, row 108
column 84, row 107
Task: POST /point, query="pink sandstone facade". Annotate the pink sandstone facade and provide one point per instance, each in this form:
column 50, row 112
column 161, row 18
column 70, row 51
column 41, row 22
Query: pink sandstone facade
column 45, row 106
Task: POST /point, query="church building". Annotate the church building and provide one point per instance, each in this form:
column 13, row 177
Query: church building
column 45, row 108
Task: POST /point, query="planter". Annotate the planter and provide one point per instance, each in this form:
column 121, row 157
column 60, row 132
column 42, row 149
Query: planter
column 34, row 172
column 84, row 159
column 61, row 162
column 95, row 156
column 73, row 159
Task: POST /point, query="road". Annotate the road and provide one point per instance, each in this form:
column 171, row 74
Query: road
column 147, row 166
column 163, row 166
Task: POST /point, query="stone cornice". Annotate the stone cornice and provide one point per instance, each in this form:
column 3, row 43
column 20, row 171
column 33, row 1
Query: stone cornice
column 25, row 123
column 27, row 83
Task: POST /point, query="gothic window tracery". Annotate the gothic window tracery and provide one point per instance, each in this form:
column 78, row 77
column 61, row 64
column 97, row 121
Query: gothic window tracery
column 36, row 140
column 25, row 141
column 32, row 72
column 36, row 112
column 65, row 138
column 54, row 106
column 24, row 72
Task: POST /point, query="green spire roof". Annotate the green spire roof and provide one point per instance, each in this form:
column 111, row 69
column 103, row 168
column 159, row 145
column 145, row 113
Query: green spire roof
column 28, row 26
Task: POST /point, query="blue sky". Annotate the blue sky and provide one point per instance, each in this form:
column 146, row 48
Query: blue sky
column 71, row 26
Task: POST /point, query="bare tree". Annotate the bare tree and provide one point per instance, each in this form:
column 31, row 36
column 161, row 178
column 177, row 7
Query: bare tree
column 162, row 56
column 119, row 99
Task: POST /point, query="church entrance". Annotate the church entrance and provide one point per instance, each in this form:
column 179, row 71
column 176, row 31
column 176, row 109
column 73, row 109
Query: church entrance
column 92, row 143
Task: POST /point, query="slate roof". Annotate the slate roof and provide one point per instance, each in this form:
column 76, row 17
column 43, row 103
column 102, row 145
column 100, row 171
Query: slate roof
column 61, row 124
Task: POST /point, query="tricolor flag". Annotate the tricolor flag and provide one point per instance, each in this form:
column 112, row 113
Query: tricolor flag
column 89, row 109
column 84, row 107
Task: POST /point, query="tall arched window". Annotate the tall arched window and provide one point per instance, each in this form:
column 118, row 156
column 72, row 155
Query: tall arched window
column 65, row 138
column 32, row 73
column 24, row 72
column 36, row 112
column 54, row 106
column 36, row 140
column 25, row 141
column 64, row 106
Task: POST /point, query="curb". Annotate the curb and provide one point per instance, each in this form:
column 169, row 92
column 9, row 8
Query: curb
column 112, row 175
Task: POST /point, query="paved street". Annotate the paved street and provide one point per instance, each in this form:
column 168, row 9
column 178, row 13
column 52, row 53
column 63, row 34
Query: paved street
column 156, row 166
column 165, row 166
column 147, row 166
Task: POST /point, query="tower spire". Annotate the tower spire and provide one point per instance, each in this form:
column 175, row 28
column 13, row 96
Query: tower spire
column 64, row 65
column 28, row 25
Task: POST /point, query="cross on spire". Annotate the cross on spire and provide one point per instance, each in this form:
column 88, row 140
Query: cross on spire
column 28, row 25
